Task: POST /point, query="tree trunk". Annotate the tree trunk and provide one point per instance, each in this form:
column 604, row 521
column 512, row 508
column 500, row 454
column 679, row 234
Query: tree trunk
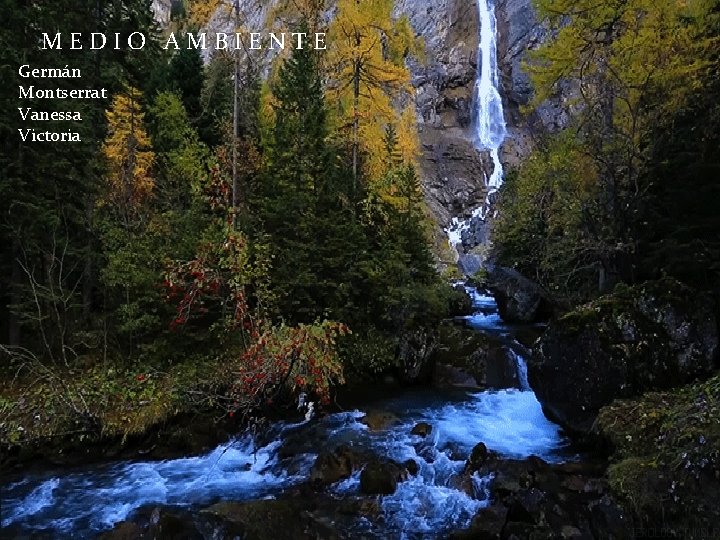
column 236, row 121
column 356, row 123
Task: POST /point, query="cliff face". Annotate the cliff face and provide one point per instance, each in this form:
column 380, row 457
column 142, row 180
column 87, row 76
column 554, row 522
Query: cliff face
column 452, row 170
column 162, row 10
column 519, row 32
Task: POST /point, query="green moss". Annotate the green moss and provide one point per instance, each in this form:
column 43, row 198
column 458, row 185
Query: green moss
column 637, row 479
column 667, row 453
column 479, row 279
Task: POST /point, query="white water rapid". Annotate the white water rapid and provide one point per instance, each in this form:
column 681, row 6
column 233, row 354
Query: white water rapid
column 489, row 118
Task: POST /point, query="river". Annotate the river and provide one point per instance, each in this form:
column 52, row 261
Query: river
column 83, row 502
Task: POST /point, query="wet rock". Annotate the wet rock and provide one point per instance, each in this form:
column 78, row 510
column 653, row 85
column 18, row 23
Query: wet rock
column 468, row 359
column 286, row 519
column 381, row 478
column 654, row 336
column 506, row 484
column 454, row 451
column 423, row 429
column 171, row 525
column 379, row 420
column 453, row 365
column 446, row 376
column 607, row 519
column 528, row 506
column 519, row 299
column 478, row 457
column 157, row 523
column 462, row 482
column 489, row 522
column 336, row 465
column 532, row 499
column 411, row 467
column 427, row 451
column 125, row 530
column 498, row 363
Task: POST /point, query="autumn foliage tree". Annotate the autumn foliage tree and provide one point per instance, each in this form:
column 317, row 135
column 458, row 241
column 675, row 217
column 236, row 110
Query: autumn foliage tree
column 584, row 194
column 129, row 157
column 368, row 77
column 221, row 290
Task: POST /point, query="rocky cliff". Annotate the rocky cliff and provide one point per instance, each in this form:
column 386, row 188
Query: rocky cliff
column 453, row 170
column 519, row 31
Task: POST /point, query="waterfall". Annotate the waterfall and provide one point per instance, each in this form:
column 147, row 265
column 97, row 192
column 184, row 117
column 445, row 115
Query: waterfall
column 488, row 116
column 521, row 367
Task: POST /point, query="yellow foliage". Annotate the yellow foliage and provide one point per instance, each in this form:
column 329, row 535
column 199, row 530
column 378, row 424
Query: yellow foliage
column 367, row 76
column 128, row 154
column 202, row 11
column 408, row 141
column 629, row 50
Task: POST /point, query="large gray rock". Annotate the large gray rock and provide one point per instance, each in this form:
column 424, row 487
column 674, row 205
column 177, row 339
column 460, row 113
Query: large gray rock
column 654, row 336
column 466, row 358
column 381, row 477
column 519, row 299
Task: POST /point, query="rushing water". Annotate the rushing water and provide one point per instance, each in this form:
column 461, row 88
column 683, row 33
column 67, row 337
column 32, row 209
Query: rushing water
column 81, row 503
column 488, row 115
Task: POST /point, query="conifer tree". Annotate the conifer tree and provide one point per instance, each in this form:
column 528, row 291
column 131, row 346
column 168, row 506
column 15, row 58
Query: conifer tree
column 367, row 48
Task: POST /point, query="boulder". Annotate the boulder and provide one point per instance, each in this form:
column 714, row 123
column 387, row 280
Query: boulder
column 519, row 299
column 381, row 477
column 498, row 364
column 489, row 522
column 125, row 530
column 536, row 500
column 336, row 465
column 281, row 519
column 411, row 467
column 423, row 429
column 653, row 336
column 467, row 358
column 478, row 457
column 379, row 420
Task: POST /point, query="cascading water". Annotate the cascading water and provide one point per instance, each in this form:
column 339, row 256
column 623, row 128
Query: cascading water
column 489, row 118
column 80, row 504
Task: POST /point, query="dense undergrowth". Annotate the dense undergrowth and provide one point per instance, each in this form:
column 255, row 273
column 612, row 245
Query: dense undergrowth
column 667, row 455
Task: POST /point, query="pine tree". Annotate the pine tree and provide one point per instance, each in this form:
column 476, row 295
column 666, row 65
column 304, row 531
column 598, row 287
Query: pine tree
column 129, row 157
